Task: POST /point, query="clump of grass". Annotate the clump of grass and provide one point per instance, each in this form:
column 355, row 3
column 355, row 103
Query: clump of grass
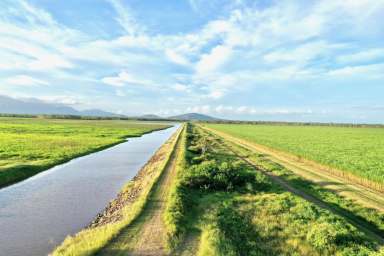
column 211, row 175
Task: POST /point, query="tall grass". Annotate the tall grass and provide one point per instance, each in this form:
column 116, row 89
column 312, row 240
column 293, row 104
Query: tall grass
column 177, row 202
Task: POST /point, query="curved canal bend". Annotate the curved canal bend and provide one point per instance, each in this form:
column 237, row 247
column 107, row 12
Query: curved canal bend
column 38, row 213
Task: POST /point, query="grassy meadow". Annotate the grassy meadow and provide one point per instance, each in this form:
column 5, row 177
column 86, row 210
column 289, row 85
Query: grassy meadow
column 31, row 145
column 231, row 209
column 357, row 150
column 219, row 205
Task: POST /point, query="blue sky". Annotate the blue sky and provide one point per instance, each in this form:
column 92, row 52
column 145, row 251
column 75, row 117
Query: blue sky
column 269, row 60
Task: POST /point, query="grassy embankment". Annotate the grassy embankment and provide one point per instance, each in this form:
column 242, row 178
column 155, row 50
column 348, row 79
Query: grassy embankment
column 122, row 211
column 231, row 209
column 354, row 153
column 29, row 145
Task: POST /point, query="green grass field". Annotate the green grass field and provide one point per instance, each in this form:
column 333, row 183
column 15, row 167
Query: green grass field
column 219, row 205
column 29, row 145
column 359, row 151
column 236, row 210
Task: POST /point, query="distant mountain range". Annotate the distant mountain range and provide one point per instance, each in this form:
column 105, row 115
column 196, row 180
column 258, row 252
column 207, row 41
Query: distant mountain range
column 194, row 116
column 10, row 105
column 33, row 106
column 150, row 116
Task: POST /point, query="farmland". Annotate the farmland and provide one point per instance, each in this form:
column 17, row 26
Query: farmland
column 358, row 151
column 218, row 203
column 203, row 193
column 31, row 145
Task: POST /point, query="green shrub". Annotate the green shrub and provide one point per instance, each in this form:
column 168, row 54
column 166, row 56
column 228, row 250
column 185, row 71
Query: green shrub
column 332, row 233
column 211, row 175
column 236, row 233
column 196, row 149
column 322, row 236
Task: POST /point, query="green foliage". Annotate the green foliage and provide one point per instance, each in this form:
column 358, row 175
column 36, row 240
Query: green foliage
column 356, row 150
column 371, row 217
column 288, row 225
column 237, row 235
column 264, row 220
column 211, row 175
column 29, row 145
column 179, row 200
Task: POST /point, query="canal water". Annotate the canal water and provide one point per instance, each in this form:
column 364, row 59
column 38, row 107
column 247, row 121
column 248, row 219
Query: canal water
column 38, row 213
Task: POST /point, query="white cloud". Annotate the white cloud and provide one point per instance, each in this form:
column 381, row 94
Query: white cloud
column 62, row 99
column 24, row 80
column 283, row 42
column 176, row 57
column 31, row 40
column 373, row 71
column 120, row 93
column 216, row 94
column 301, row 54
column 124, row 78
column 212, row 61
column 230, row 110
column 125, row 18
column 180, row 87
column 361, row 56
column 204, row 109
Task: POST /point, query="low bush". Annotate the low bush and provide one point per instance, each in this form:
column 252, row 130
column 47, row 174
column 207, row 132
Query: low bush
column 236, row 233
column 211, row 175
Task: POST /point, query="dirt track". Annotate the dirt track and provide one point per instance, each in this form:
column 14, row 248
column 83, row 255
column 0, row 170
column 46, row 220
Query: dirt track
column 355, row 191
column 364, row 195
column 147, row 234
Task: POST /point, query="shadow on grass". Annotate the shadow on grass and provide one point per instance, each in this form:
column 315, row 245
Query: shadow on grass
column 313, row 190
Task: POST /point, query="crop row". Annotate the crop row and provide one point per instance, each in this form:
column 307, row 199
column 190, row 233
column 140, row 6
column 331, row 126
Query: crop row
column 358, row 151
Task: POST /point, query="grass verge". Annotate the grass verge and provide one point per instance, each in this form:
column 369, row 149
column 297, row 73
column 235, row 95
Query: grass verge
column 240, row 211
column 351, row 153
column 369, row 217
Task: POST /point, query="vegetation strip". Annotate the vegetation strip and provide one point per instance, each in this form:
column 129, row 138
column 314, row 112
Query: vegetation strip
column 341, row 201
column 369, row 229
column 214, row 203
column 233, row 210
column 323, row 148
column 124, row 210
column 364, row 195
column 147, row 235
column 29, row 146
